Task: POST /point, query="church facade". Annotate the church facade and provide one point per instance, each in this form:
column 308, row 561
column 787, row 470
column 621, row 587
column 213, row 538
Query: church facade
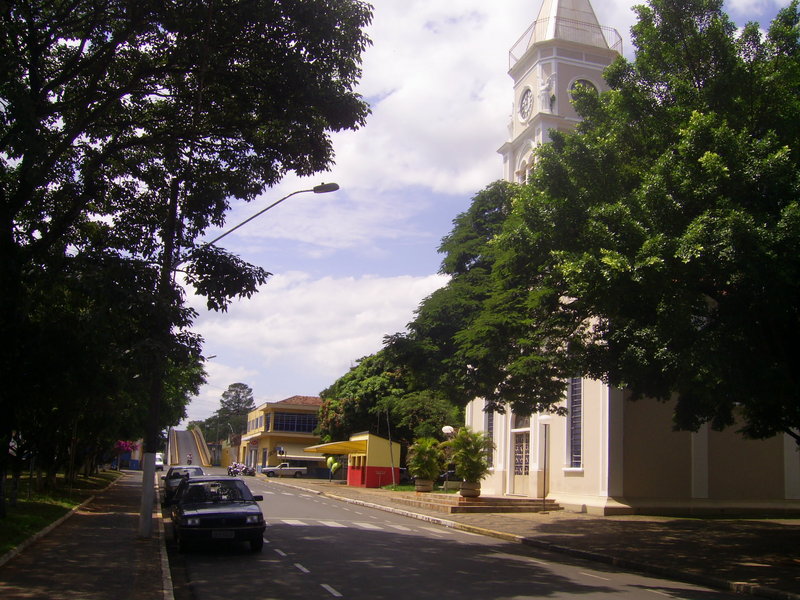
column 610, row 455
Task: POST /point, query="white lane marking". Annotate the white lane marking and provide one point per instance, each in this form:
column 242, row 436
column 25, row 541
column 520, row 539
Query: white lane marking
column 293, row 522
column 286, row 494
column 660, row 593
column 367, row 525
column 330, row 590
column 333, row 524
column 307, row 496
column 280, row 552
column 301, row 568
column 595, row 576
column 400, row 527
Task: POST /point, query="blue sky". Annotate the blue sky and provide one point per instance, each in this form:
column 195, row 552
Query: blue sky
column 350, row 267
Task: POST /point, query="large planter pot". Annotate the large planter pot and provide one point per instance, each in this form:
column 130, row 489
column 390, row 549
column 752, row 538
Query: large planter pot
column 470, row 489
column 423, row 485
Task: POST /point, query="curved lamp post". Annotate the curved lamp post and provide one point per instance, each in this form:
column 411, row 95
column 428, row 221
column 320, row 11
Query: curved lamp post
column 157, row 393
column 322, row 188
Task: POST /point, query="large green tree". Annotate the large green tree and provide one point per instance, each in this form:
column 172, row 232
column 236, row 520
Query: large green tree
column 656, row 248
column 125, row 130
column 377, row 396
column 234, row 405
column 428, row 349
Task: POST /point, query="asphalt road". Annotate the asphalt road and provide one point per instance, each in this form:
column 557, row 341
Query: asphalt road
column 320, row 548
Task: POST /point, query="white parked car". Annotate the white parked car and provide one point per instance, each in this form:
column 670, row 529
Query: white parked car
column 159, row 461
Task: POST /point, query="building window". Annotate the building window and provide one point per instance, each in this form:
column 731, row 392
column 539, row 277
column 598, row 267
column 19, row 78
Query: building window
column 522, row 444
column 490, row 433
column 301, row 423
column 575, row 422
column 266, row 422
column 522, row 453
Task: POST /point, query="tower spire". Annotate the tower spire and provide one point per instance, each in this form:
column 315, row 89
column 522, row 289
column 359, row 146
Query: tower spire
column 576, row 11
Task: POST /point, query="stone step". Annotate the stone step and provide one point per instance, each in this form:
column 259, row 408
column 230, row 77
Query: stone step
column 453, row 503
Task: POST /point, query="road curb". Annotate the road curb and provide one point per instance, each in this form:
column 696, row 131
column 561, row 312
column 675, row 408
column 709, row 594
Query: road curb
column 737, row 587
column 168, row 589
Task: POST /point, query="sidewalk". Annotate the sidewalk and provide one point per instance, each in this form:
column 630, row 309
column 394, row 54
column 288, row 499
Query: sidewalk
column 94, row 554
column 759, row 557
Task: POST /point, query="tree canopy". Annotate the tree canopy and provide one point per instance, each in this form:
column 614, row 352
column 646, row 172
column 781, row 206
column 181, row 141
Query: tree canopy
column 656, row 247
column 125, row 131
column 377, row 396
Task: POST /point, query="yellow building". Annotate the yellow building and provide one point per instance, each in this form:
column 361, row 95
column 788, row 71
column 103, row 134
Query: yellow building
column 279, row 431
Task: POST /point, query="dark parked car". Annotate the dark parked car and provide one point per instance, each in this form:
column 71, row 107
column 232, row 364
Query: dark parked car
column 175, row 475
column 217, row 509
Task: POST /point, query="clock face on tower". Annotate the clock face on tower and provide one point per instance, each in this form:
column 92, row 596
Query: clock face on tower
column 526, row 104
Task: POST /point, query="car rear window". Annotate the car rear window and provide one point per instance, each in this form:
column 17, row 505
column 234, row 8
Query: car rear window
column 217, row 491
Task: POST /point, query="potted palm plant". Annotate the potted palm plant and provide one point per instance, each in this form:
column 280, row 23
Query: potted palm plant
column 424, row 462
column 468, row 450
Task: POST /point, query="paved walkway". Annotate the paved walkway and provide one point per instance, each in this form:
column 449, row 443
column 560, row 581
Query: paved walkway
column 95, row 554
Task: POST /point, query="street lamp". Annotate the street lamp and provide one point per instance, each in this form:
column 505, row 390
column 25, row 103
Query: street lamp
column 322, row 188
column 168, row 267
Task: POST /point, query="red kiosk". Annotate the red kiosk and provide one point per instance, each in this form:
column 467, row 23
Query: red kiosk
column 371, row 459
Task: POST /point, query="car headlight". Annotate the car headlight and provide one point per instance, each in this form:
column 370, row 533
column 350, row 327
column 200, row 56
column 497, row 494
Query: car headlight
column 253, row 519
column 192, row 521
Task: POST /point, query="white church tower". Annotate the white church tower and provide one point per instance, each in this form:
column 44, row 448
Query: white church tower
column 609, row 455
column 564, row 47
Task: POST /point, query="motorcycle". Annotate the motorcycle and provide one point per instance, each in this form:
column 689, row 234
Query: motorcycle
column 238, row 469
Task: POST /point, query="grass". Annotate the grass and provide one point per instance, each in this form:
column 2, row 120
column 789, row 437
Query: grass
column 34, row 513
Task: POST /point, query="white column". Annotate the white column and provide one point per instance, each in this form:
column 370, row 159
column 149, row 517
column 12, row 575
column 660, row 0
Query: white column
column 700, row 462
column 612, row 438
column 791, row 468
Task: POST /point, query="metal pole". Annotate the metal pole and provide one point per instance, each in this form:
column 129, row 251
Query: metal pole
column 391, row 451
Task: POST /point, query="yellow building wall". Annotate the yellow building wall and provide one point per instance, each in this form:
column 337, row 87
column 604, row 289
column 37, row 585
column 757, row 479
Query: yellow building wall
column 379, row 452
column 741, row 469
column 657, row 460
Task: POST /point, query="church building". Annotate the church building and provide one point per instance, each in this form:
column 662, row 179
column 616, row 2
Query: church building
column 610, row 455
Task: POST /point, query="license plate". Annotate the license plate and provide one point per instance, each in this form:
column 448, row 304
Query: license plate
column 222, row 535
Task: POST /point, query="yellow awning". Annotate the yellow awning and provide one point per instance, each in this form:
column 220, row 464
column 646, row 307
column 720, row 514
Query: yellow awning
column 349, row 447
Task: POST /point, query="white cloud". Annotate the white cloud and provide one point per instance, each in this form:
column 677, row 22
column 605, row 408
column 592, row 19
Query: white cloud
column 298, row 335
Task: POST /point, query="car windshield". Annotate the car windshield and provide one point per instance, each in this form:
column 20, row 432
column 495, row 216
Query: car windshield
column 217, row 491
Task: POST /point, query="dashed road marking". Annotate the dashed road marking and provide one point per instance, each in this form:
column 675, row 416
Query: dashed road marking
column 438, row 530
column 594, row 576
column 333, row 524
column 301, row 568
column 331, row 591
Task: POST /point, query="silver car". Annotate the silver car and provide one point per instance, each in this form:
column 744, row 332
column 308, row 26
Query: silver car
column 175, row 475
